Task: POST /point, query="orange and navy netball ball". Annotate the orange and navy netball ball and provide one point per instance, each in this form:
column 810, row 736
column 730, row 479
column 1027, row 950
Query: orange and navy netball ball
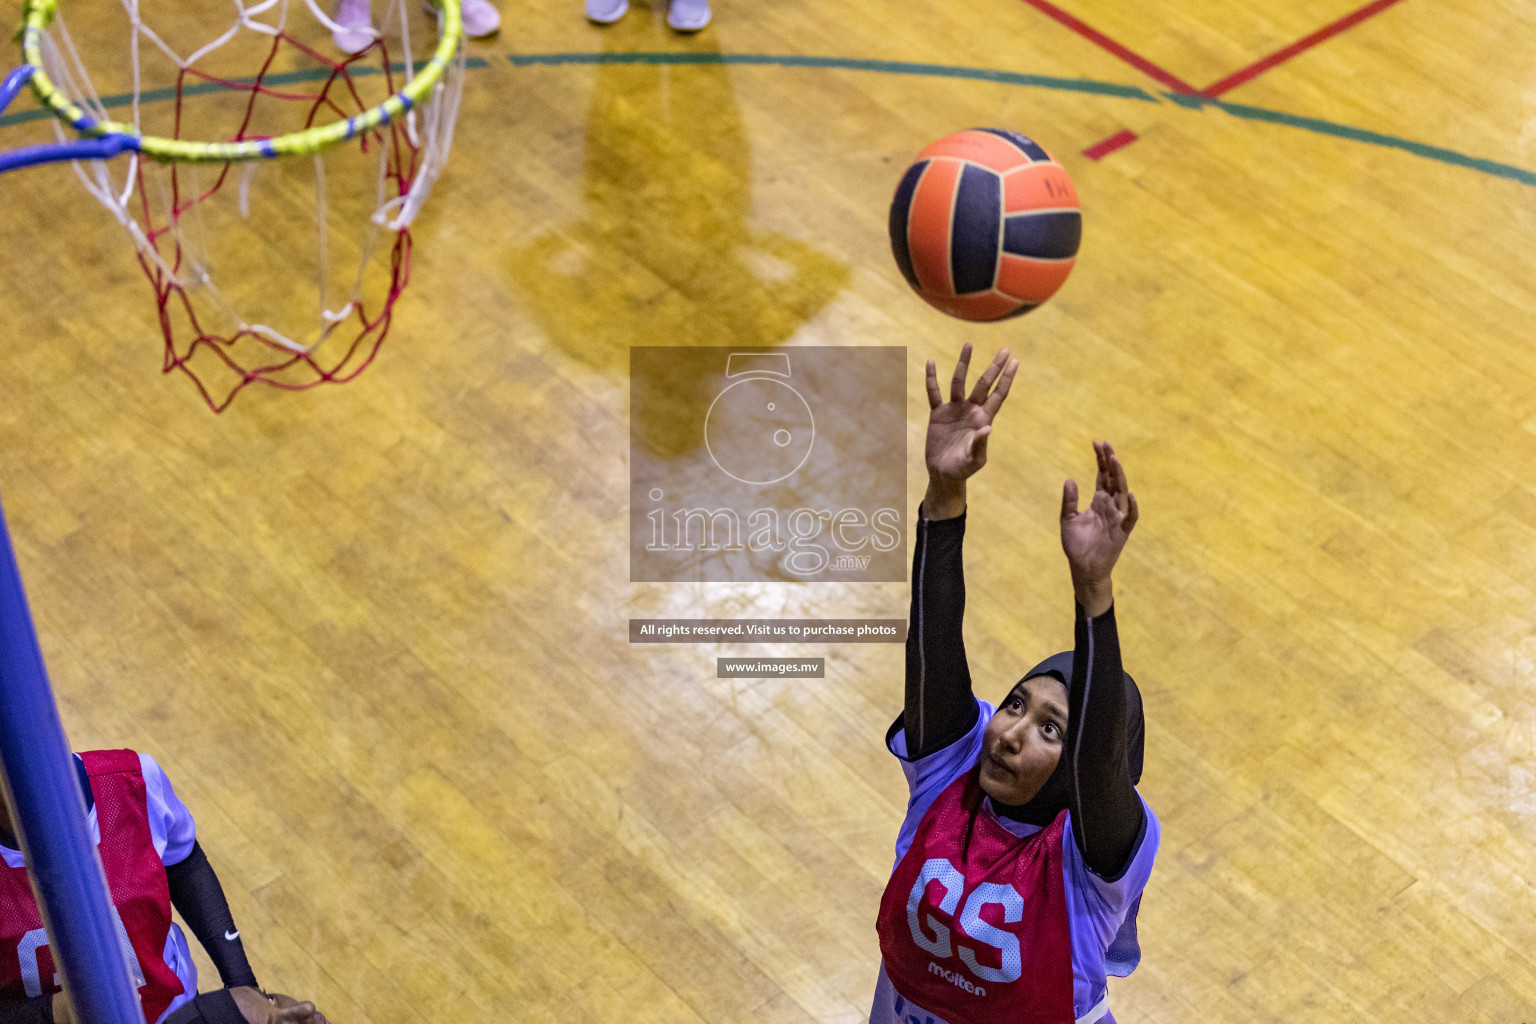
column 985, row 225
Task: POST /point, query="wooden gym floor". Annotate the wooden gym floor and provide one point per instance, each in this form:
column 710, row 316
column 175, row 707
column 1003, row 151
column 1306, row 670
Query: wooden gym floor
column 377, row 633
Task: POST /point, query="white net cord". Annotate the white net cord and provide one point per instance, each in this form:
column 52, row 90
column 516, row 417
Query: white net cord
column 171, row 235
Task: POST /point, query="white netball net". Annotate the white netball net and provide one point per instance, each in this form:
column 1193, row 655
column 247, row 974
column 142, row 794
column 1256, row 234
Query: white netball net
column 283, row 271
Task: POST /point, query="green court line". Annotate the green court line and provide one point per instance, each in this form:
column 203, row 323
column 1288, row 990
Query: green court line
column 895, row 67
column 889, row 67
column 1311, row 124
column 1343, row 131
column 199, row 88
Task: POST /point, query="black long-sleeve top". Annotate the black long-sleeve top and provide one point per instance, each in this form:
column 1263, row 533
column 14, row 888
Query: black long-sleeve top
column 199, row 898
column 1107, row 815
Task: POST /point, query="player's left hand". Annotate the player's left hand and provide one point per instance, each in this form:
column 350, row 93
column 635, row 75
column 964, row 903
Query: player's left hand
column 1094, row 537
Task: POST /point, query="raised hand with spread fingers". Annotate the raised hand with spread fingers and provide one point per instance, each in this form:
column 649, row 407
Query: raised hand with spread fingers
column 958, row 429
column 1094, row 537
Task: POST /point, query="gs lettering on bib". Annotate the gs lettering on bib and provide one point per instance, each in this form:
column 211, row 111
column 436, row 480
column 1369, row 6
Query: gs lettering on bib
column 141, row 898
column 973, row 924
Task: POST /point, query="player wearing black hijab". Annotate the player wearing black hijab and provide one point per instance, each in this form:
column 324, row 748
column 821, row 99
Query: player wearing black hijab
column 1025, row 847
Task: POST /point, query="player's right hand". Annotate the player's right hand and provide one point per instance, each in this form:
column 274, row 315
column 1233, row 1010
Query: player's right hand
column 288, row 1010
column 276, row 1008
column 958, row 429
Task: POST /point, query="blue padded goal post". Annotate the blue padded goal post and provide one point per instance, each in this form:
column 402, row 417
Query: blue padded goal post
column 48, row 813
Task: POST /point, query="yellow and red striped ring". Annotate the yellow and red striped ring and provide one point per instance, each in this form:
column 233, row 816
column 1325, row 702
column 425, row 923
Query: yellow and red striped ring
column 38, row 14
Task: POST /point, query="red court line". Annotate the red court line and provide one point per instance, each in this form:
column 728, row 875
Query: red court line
column 1323, row 34
column 1132, row 58
column 1100, row 150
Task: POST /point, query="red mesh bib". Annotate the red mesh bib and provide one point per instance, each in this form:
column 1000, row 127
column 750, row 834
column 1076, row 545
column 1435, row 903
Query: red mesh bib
column 973, row 924
column 135, row 877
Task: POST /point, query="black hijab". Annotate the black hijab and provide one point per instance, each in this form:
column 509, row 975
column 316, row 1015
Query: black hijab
column 1052, row 798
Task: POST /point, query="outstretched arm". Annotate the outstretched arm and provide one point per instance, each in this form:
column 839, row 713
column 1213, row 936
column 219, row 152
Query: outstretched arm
column 1107, row 813
column 940, row 706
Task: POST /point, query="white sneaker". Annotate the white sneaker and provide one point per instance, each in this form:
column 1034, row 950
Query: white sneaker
column 480, row 19
column 356, row 20
column 606, row 12
column 688, row 15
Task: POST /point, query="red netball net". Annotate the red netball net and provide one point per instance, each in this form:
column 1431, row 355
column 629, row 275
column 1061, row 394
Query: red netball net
column 284, row 271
